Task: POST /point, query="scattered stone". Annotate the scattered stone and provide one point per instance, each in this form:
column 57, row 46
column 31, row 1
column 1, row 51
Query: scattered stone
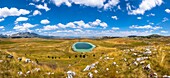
column 93, row 65
column 117, row 71
column 101, row 58
column 88, row 67
column 35, row 70
column 148, row 52
column 19, row 59
column 148, row 67
column 135, row 54
column 129, row 68
column 1, row 61
column 70, row 74
column 142, row 62
column 48, row 73
column 154, row 75
column 10, row 56
column 140, row 55
column 20, row 73
column 132, row 49
column 95, row 71
column 141, row 58
column 28, row 72
column 90, row 75
column 114, row 63
column 135, row 63
column 52, row 72
column 108, row 58
column 166, row 76
column 107, row 69
column 125, row 59
column 27, row 60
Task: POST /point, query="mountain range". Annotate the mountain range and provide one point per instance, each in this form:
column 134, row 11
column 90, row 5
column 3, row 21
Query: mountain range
column 34, row 35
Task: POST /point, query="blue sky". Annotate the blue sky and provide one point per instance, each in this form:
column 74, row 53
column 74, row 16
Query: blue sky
column 85, row 17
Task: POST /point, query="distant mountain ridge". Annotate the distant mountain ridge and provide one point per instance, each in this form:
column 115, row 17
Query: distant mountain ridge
column 25, row 35
column 149, row 36
column 34, row 35
column 3, row 36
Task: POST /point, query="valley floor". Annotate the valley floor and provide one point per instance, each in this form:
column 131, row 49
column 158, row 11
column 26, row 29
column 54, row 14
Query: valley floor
column 54, row 58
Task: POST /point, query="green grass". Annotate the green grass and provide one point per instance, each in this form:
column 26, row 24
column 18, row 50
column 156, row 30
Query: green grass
column 6, row 42
column 40, row 49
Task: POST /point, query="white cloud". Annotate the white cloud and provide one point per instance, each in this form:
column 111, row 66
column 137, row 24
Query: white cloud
column 78, row 30
column 95, row 23
column 81, row 24
column 115, row 28
column 21, row 19
column 70, row 24
column 36, row 12
column 151, row 23
column 60, row 2
column 91, row 3
column 164, row 31
column 139, row 18
column 45, row 21
column 49, row 27
column 114, row 17
column 78, row 25
column 65, row 31
column 110, row 4
column 145, row 27
column 88, row 33
column 31, row 4
column 167, row 10
column 4, row 12
column 24, row 27
column 61, row 25
column 36, row 0
column 43, row 1
column 103, row 24
column 118, row 7
column 165, row 19
column 75, row 26
column 151, row 14
column 146, row 5
column 2, row 28
column 128, row 7
column 2, row 19
column 45, row 7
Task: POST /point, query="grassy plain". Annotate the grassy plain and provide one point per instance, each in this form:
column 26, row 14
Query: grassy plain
column 57, row 57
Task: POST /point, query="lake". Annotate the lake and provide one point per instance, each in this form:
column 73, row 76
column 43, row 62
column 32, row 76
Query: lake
column 83, row 47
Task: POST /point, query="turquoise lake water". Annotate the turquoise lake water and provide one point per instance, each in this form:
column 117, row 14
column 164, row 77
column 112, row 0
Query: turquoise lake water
column 83, row 47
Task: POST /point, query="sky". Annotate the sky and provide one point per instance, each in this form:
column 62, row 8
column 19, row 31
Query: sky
column 85, row 17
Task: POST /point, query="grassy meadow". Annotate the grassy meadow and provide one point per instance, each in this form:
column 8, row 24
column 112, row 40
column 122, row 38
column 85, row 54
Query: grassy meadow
column 52, row 58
